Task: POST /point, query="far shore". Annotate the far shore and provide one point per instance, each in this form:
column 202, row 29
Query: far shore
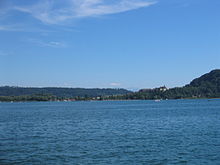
column 155, row 100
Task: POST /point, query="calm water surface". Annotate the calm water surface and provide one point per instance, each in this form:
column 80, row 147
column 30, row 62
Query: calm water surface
column 110, row 132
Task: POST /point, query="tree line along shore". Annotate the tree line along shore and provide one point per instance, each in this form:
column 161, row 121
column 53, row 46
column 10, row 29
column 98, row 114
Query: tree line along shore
column 206, row 86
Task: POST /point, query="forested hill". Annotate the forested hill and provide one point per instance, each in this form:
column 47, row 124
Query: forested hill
column 206, row 86
column 209, row 80
column 61, row 92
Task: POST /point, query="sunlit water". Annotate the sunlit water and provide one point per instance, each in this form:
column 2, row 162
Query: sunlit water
column 110, row 132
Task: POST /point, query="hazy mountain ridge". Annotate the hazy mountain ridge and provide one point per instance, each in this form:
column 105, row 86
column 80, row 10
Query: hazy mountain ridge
column 212, row 78
column 61, row 92
column 206, row 86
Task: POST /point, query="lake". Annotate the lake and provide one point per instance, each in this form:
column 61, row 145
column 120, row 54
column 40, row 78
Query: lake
column 110, row 132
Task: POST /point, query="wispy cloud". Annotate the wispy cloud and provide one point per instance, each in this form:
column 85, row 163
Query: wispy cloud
column 25, row 28
column 3, row 28
column 115, row 84
column 11, row 28
column 53, row 44
column 54, row 12
column 2, row 53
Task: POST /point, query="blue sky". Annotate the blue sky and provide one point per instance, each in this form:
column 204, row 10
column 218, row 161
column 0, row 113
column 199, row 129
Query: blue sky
column 131, row 44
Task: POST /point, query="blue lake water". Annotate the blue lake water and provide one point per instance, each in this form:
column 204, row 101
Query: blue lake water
column 110, row 132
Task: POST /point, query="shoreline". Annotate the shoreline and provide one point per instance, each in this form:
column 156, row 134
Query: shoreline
column 155, row 100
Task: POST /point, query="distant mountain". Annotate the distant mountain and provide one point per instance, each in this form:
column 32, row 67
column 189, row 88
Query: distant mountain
column 209, row 80
column 206, row 86
column 61, row 92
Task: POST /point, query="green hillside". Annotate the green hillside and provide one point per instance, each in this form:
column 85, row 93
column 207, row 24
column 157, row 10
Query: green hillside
column 206, row 86
column 61, row 92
